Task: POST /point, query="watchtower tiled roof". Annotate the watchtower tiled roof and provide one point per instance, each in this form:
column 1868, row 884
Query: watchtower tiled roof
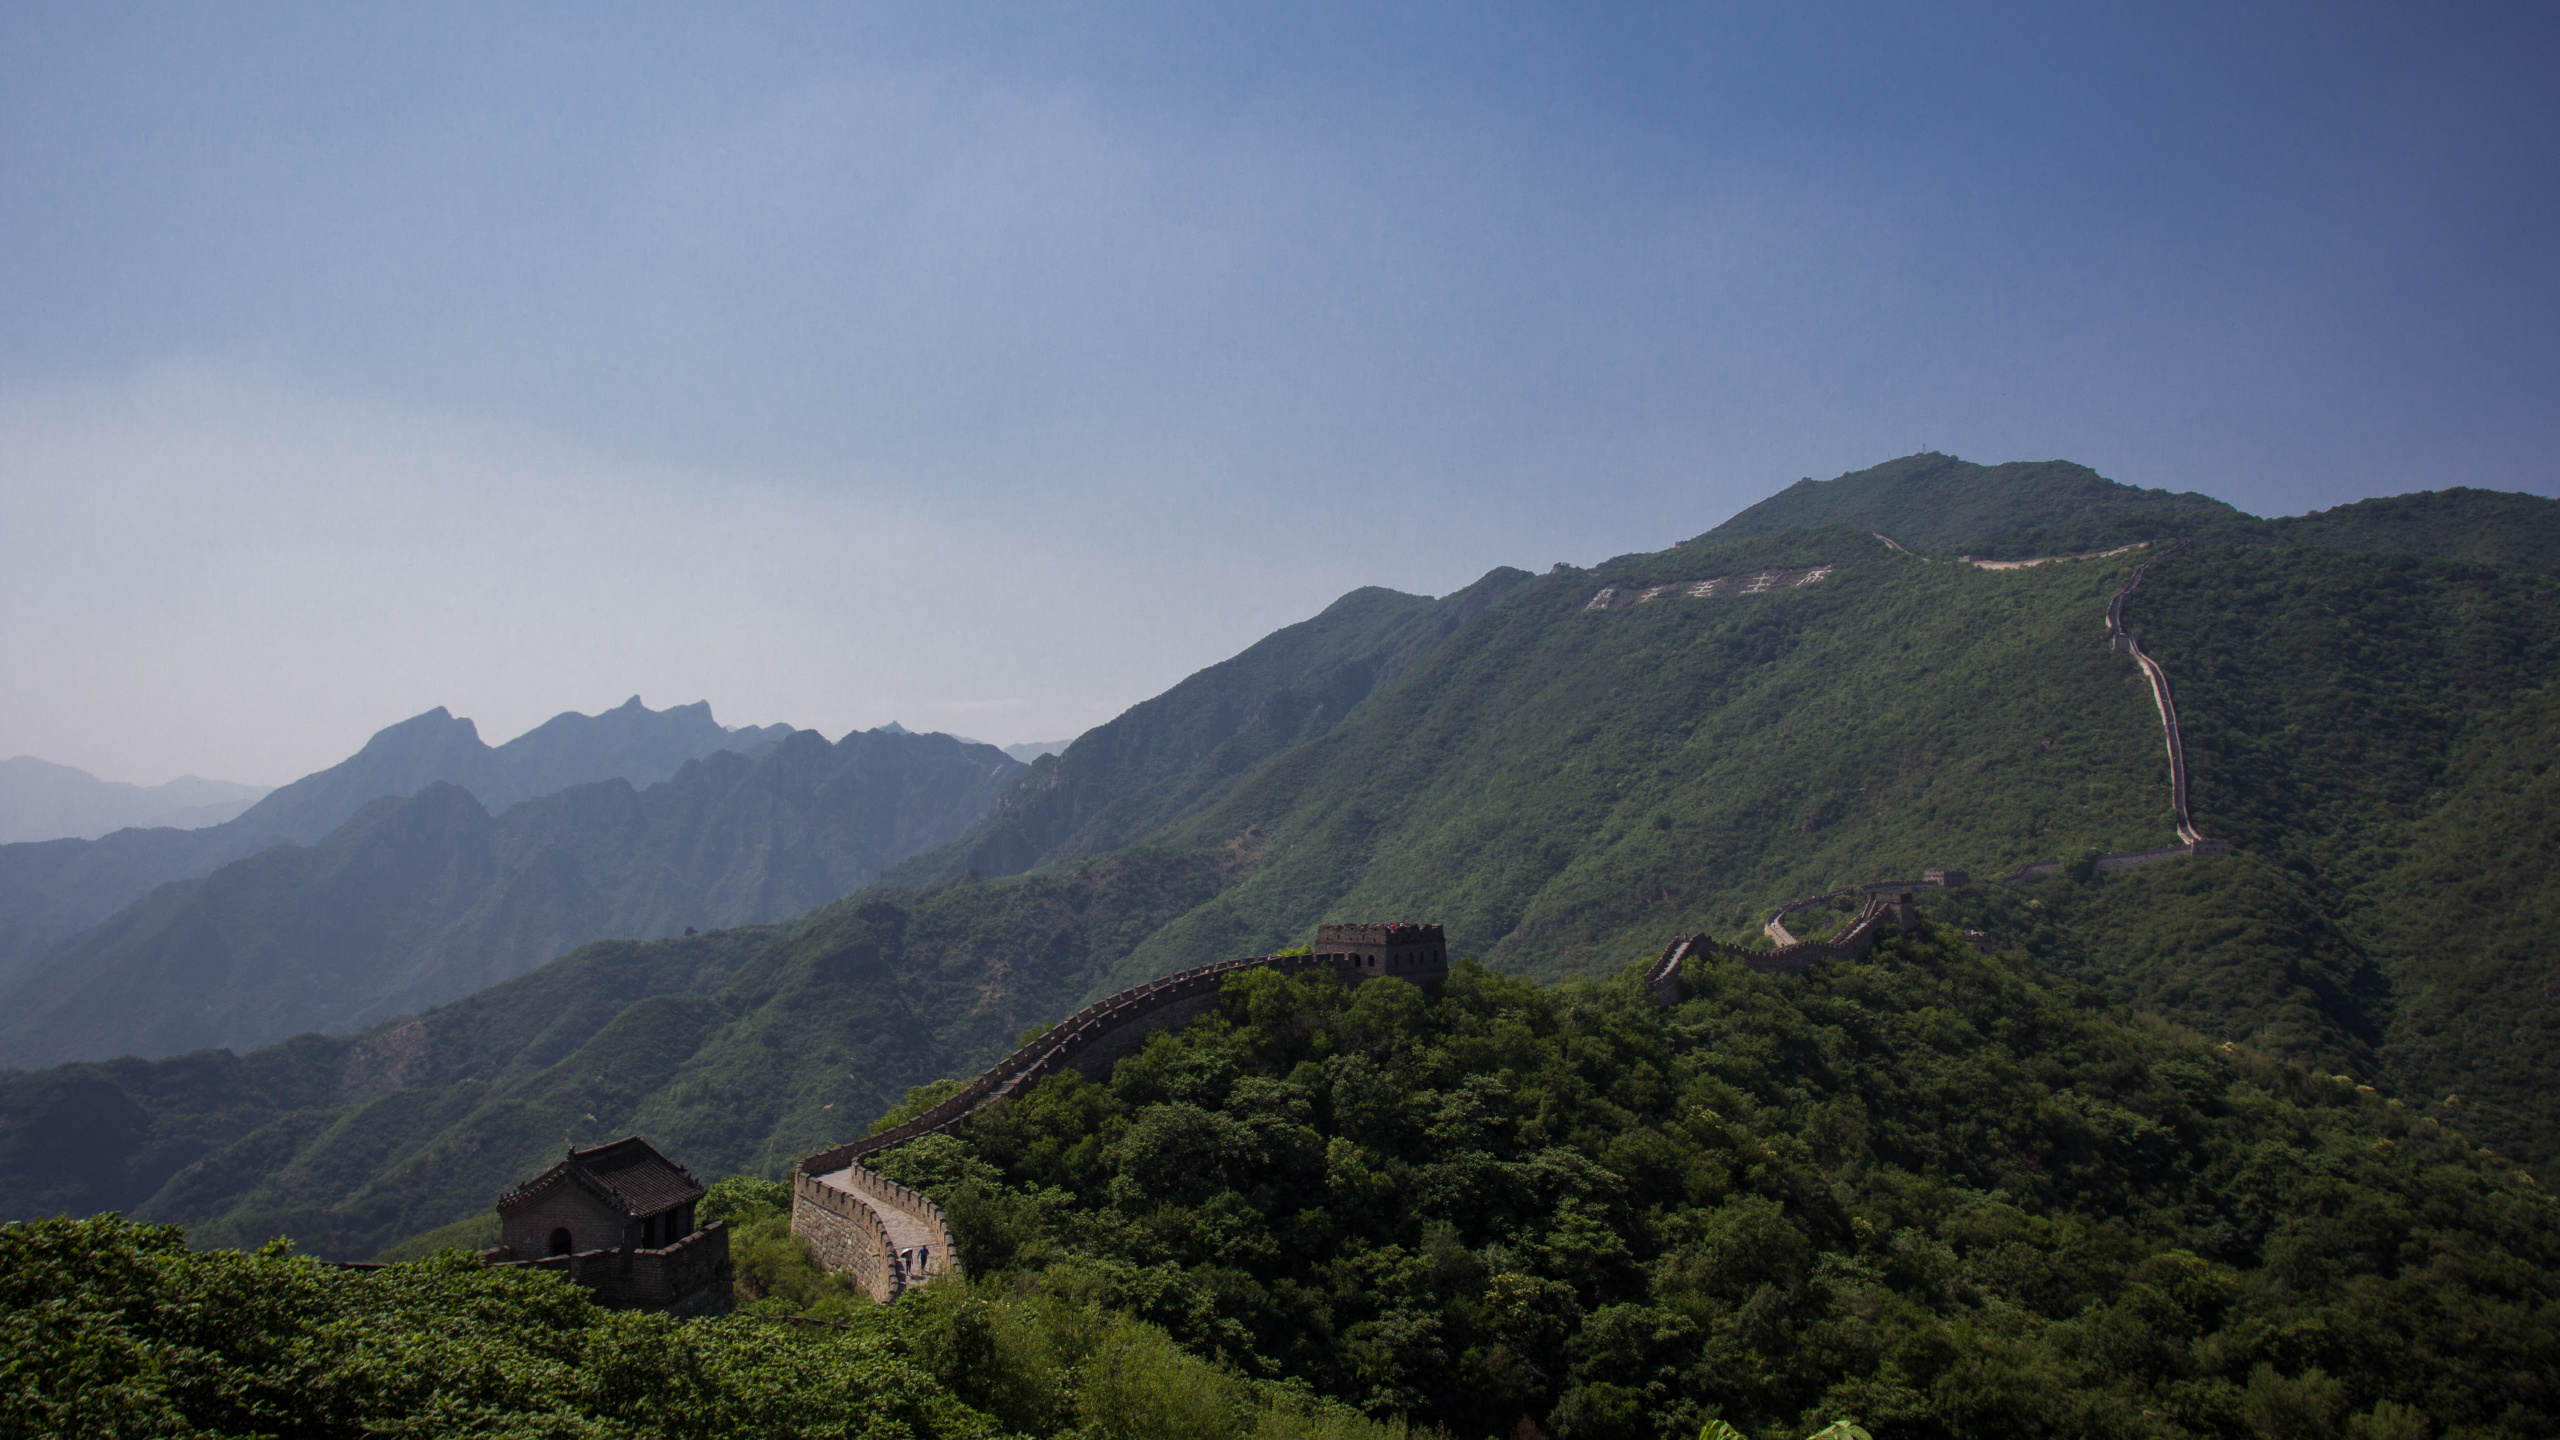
column 628, row 1175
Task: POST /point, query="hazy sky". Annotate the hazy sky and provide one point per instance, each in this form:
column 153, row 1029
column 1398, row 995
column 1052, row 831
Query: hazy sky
column 989, row 369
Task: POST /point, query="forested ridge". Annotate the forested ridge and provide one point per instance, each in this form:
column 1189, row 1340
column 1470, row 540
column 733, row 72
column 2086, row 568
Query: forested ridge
column 2213, row 1147
column 1564, row 790
column 1946, row 1193
column 1934, row 1192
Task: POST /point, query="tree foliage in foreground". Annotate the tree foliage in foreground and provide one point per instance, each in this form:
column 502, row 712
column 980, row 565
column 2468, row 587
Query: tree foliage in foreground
column 108, row 1328
column 118, row 1329
column 1938, row 1193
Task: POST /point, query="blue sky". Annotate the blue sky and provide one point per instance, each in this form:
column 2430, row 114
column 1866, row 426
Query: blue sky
column 991, row 368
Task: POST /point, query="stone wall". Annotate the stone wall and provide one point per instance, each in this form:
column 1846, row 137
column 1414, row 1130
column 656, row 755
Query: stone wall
column 566, row 1205
column 1894, row 908
column 845, row 1236
column 1418, row 953
column 849, row 1236
column 1109, row 1027
column 691, row 1277
column 2130, row 859
column 2122, row 639
column 2123, row 859
column 934, row 1254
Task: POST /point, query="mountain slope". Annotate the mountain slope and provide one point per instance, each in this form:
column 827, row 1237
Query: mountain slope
column 737, row 1050
column 2496, row 528
column 1169, row 756
column 2381, row 726
column 54, row 889
column 40, row 800
column 1949, row 1194
column 1559, row 783
column 426, row 898
column 1563, row 787
column 1373, row 818
column 1939, row 504
column 1567, row 786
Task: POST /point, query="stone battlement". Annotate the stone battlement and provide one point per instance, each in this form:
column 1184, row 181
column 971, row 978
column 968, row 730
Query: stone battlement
column 1398, row 933
column 1889, row 907
column 888, row 1237
column 689, row 1277
column 1407, row 952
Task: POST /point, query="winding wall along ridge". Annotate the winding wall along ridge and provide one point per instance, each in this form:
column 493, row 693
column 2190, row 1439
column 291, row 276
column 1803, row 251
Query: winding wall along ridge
column 2122, row 639
column 1792, row 957
column 890, row 1237
column 2191, row 842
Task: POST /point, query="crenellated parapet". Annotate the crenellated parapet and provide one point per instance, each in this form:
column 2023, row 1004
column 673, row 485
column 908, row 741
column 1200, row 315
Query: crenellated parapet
column 1794, row 957
column 889, row 1237
column 847, row 1235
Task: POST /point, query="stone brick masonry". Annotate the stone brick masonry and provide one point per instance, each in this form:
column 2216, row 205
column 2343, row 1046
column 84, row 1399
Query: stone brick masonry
column 888, row 1237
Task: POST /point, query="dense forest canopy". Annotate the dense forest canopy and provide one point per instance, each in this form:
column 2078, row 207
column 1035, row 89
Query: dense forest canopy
column 2232, row 1147
column 1941, row 1192
column 1935, row 1193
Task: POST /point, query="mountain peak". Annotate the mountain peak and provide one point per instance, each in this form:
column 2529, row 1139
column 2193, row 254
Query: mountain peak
column 1933, row 501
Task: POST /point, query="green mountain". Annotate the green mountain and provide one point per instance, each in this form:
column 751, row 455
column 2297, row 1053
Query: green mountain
column 1171, row 756
column 426, row 898
column 1585, row 765
column 1939, row 504
column 54, row 889
column 1928, row 1194
column 2480, row 527
column 1946, row 1193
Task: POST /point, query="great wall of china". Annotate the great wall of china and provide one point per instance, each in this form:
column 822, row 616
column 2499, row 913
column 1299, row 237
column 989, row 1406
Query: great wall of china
column 2122, row 639
column 889, row 1237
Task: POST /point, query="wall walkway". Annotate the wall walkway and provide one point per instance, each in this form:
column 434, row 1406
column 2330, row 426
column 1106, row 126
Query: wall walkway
column 1793, row 956
column 2191, row 842
column 889, row 1237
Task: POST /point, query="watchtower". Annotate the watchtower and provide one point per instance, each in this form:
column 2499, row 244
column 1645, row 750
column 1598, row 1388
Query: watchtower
column 612, row 1197
column 1367, row 952
column 618, row 1219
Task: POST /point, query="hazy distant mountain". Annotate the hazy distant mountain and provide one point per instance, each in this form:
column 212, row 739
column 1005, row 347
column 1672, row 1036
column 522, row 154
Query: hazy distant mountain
column 40, row 800
column 629, row 742
column 53, row 889
column 1031, row 750
column 425, row 898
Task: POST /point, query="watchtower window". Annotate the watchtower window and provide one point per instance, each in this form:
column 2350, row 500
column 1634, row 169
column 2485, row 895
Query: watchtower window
column 560, row 1241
